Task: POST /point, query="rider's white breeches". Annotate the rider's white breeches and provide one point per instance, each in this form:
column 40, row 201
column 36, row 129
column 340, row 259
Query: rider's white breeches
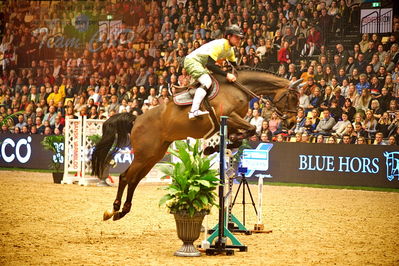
column 205, row 80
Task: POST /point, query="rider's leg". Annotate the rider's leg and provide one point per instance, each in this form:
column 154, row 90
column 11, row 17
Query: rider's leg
column 200, row 94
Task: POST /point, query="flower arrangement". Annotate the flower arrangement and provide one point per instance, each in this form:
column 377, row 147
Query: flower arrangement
column 193, row 181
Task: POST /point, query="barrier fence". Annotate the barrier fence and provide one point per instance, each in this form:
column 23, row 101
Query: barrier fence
column 326, row 164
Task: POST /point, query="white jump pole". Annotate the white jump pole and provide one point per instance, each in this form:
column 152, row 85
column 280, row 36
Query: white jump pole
column 259, row 225
column 260, row 196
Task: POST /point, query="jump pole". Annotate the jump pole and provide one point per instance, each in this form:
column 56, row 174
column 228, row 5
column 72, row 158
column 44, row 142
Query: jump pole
column 222, row 232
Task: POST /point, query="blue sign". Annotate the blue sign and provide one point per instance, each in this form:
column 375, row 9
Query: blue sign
column 257, row 160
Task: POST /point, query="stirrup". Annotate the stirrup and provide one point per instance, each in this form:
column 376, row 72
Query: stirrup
column 193, row 115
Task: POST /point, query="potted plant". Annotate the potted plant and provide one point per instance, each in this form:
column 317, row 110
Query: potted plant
column 191, row 195
column 55, row 144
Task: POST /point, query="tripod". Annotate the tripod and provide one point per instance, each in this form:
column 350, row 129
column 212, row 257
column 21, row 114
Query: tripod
column 244, row 184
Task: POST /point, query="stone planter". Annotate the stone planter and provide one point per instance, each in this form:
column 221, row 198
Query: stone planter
column 188, row 230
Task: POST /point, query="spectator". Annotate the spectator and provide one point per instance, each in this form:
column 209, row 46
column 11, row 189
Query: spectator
column 299, row 126
column 275, row 124
column 346, row 139
column 266, row 131
column 379, row 139
column 370, row 124
column 364, row 100
column 284, row 54
column 256, row 121
column 21, row 122
column 340, row 127
column 326, row 124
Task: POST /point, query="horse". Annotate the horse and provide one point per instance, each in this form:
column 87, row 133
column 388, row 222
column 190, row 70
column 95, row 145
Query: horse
column 152, row 132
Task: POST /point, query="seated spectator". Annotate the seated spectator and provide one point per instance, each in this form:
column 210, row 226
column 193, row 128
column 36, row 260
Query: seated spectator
column 267, row 110
column 331, row 140
column 393, row 107
column 305, row 138
column 299, row 126
column 315, row 99
column 256, row 120
column 359, row 130
column 327, row 98
column 363, row 83
column 298, row 137
column 264, row 138
column 313, row 42
column 320, row 139
column 349, row 109
column 370, row 124
column 364, row 100
column 361, row 140
column 326, row 124
column 340, row 127
column 309, row 74
column 392, row 141
column 56, row 96
column 347, row 139
column 375, row 87
column 50, row 116
column 265, row 130
column 383, row 124
column 21, row 122
column 275, row 124
column 385, row 99
column 360, row 64
column 303, row 99
column 312, row 121
column 249, row 115
column 394, row 127
column 284, row 54
column 375, row 107
column 379, row 139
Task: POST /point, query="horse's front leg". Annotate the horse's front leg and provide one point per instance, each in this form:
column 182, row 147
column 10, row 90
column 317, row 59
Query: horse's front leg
column 237, row 122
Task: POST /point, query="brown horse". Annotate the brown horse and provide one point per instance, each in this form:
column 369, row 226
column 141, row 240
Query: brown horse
column 153, row 132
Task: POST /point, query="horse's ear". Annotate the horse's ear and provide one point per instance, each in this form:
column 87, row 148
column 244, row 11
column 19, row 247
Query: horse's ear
column 294, row 85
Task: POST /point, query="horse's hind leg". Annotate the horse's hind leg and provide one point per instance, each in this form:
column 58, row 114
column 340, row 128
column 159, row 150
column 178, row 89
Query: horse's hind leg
column 117, row 203
column 136, row 173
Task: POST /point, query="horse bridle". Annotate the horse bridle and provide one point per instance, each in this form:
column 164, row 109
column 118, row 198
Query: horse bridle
column 252, row 94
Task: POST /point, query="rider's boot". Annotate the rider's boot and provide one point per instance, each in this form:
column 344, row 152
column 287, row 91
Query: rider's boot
column 199, row 95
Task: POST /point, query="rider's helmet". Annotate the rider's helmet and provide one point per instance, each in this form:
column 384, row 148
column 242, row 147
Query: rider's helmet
column 234, row 30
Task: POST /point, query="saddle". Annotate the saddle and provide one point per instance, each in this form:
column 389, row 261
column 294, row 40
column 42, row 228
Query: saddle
column 186, row 96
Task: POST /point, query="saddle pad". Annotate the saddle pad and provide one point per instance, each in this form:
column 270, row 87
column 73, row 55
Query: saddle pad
column 186, row 97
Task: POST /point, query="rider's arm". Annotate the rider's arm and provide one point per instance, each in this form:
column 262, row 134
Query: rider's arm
column 211, row 65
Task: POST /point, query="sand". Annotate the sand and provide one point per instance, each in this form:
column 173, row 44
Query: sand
column 43, row 223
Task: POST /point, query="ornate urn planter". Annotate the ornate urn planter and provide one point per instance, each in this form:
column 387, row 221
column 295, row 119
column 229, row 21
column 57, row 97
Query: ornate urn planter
column 188, row 230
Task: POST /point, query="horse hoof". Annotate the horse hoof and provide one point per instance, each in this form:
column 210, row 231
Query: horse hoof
column 117, row 216
column 107, row 215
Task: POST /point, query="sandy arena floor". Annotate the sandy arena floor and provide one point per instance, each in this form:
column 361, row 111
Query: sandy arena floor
column 45, row 223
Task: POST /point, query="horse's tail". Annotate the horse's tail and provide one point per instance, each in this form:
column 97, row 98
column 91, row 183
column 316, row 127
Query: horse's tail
column 115, row 135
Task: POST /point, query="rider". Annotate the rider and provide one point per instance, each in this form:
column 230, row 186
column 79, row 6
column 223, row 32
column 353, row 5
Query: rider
column 203, row 58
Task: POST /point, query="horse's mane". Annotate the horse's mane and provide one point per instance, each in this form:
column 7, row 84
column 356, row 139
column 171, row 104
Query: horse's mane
column 274, row 82
column 256, row 69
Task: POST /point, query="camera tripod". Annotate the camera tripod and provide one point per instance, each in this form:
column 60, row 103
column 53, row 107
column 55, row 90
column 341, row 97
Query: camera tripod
column 244, row 185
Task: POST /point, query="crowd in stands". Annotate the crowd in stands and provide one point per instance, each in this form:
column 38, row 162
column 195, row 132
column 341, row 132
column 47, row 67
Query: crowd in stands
column 63, row 59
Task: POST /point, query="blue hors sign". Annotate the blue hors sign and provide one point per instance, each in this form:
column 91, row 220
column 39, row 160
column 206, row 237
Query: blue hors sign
column 257, row 160
column 340, row 163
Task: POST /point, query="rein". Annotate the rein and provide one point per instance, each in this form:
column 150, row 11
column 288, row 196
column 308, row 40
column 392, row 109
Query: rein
column 250, row 93
column 246, row 90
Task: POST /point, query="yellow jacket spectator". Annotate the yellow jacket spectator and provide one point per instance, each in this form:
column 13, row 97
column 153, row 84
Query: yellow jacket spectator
column 56, row 96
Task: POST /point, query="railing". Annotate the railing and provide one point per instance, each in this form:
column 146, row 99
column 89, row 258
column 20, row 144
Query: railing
column 378, row 24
